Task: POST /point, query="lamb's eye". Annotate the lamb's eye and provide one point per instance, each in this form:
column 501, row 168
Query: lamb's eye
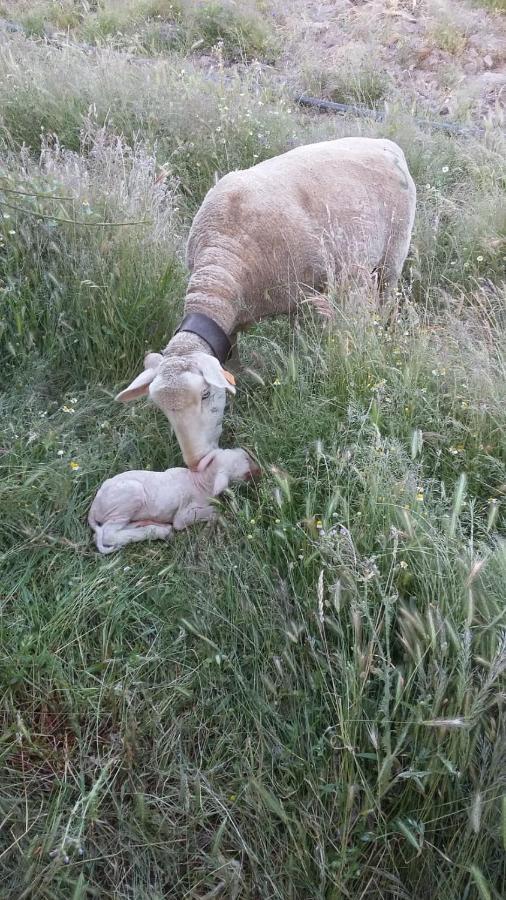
column 206, row 395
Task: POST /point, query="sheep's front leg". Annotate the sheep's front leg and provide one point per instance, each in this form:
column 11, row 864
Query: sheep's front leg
column 116, row 535
column 233, row 363
column 191, row 514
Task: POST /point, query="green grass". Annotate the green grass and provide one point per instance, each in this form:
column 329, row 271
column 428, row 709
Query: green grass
column 325, row 665
column 448, row 37
column 495, row 5
column 305, row 700
column 354, row 81
column 236, row 28
column 198, row 127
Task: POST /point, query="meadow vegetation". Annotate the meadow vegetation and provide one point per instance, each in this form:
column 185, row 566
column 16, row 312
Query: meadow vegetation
column 495, row 5
column 307, row 699
column 152, row 26
column 353, row 78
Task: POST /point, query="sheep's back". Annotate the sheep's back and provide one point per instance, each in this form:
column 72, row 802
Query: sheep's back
column 290, row 218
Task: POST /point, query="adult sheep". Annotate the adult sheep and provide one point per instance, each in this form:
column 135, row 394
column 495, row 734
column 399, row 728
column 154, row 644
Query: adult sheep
column 263, row 238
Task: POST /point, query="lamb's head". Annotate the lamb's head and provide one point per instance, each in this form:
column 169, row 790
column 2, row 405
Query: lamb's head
column 191, row 391
column 222, row 467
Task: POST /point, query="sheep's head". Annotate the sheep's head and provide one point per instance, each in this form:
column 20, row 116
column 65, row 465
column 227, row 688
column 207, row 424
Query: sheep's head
column 191, row 391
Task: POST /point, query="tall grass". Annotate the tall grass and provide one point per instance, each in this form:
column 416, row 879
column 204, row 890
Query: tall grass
column 327, row 666
column 201, row 127
column 236, row 27
column 352, row 76
column 90, row 248
column 307, row 699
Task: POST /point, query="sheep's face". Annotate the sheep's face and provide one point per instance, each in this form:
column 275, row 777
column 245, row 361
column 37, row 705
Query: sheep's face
column 194, row 408
column 191, row 392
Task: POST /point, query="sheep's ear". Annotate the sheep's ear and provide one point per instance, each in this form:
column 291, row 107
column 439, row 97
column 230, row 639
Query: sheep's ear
column 214, row 373
column 139, row 386
column 220, row 483
column 152, row 360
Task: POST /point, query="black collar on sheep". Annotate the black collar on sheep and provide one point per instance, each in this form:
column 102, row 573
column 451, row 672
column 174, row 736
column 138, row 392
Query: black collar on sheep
column 210, row 332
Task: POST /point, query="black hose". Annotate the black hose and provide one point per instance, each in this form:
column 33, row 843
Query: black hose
column 379, row 115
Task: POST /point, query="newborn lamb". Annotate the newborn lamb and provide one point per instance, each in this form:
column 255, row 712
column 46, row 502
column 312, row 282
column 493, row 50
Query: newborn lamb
column 140, row 505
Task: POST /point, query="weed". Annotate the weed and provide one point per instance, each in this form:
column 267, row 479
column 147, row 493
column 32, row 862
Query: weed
column 495, row 5
column 237, row 28
column 206, row 127
column 352, row 78
column 365, row 681
column 449, row 38
column 75, row 292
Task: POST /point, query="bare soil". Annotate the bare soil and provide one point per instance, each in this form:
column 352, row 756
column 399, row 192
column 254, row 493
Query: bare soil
column 447, row 56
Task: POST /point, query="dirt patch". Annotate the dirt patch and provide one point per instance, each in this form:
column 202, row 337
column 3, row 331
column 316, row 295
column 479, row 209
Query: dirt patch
column 445, row 56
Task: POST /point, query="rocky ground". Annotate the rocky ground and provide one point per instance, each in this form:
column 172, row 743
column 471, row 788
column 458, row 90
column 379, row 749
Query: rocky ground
column 449, row 57
column 446, row 57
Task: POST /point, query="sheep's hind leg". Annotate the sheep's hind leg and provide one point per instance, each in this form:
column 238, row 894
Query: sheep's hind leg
column 389, row 273
column 117, row 535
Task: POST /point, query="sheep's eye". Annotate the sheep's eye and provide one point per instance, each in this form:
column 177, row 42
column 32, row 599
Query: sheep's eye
column 206, row 395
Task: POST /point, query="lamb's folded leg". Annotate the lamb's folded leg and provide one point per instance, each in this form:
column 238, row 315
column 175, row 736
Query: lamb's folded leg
column 116, row 535
column 191, row 514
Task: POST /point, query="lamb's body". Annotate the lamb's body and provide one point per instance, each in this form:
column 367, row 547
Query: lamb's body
column 140, row 505
column 262, row 234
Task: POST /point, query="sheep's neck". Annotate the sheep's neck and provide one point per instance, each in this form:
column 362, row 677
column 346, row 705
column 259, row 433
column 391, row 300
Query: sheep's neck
column 220, row 309
column 185, row 342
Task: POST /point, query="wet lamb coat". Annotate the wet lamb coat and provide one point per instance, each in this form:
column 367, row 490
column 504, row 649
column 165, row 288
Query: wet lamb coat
column 262, row 233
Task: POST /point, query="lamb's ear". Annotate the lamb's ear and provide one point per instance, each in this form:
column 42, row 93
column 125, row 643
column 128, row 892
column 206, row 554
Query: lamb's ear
column 221, row 483
column 139, row 386
column 206, row 461
column 214, row 373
